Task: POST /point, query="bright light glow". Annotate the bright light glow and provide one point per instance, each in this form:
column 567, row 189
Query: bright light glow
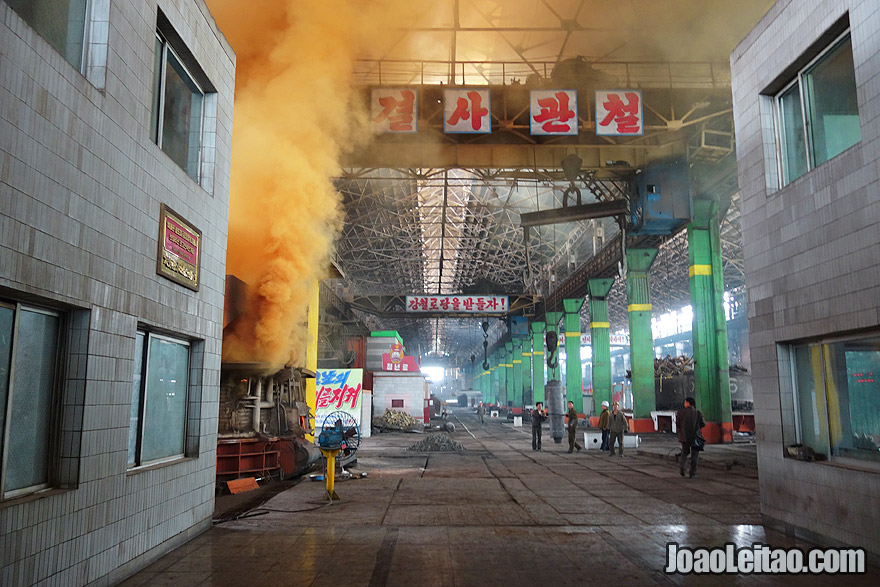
column 434, row 374
column 674, row 322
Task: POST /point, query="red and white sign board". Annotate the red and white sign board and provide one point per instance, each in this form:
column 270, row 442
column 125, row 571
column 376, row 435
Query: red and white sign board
column 619, row 113
column 394, row 110
column 457, row 304
column 395, row 360
column 466, row 110
column 553, row 112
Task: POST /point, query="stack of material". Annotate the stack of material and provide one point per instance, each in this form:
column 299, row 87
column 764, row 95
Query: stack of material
column 673, row 366
column 440, row 442
column 394, row 420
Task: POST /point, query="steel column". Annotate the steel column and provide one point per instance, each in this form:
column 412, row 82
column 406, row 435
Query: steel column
column 711, row 368
column 553, row 319
column 641, row 339
column 600, row 337
column 516, row 360
column 537, row 362
column 508, row 373
column 574, row 376
column 527, row 387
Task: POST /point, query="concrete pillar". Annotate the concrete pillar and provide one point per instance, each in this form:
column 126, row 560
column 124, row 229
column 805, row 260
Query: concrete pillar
column 553, row 319
column 641, row 339
column 574, row 377
column 600, row 332
column 711, row 362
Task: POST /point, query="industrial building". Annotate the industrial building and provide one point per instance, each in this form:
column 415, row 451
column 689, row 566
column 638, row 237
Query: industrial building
column 804, row 88
column 116, row 133
column 306, row 351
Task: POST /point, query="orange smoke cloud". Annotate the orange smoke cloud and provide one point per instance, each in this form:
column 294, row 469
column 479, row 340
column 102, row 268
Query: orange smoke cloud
column 293, row 114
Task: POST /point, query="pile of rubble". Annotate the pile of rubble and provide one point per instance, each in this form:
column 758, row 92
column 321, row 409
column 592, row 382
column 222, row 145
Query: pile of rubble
column 394, row 420
column 439, row 442
column 673, row 366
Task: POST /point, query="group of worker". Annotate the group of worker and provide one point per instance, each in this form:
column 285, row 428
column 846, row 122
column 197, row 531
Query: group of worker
column 614, row 425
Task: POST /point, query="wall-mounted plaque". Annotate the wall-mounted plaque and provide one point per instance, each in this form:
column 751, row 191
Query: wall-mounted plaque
column 180, row 249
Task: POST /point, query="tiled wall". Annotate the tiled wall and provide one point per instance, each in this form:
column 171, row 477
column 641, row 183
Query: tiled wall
column 81, row 184
column 812, row 257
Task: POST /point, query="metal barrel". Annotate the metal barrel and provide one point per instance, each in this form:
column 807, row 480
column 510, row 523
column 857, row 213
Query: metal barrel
column 555, row 394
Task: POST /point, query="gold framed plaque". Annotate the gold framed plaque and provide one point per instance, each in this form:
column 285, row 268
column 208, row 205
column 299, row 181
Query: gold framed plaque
column 180, row 249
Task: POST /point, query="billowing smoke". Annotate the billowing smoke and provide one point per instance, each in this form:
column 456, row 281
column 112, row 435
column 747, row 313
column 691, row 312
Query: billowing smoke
column 293, row 115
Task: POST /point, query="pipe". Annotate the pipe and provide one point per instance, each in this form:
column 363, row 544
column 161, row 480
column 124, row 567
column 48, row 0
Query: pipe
column 257, row 396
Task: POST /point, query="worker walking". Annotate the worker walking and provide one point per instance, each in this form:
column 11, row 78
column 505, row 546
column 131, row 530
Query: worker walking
column 618, row 426
column 481, row 411
column 572, row 416
column 689, row 422
column 538, row 416
column 604, row 425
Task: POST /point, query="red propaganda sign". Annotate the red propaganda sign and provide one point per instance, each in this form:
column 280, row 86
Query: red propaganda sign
column 457, row 304
column 397, row 361
column 553, row 112
column 394, row 110
column 466, row 110
column 619, row 112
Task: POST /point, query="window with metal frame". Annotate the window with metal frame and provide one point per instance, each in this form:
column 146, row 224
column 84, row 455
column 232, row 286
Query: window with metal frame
column 29, row 372
column 159, row 399
column 61, row 22
column 816, row 114
column 178, row 108
column 830, row 399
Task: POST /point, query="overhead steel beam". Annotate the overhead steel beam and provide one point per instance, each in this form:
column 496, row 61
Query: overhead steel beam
column 415, row 155
column 573, row 213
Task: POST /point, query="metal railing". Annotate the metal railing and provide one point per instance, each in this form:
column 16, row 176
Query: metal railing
column 390, row 72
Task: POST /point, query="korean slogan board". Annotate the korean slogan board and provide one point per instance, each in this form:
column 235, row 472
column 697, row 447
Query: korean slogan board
column 338, row 390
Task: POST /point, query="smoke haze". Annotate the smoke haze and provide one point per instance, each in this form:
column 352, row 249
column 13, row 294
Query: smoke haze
column 293, row 114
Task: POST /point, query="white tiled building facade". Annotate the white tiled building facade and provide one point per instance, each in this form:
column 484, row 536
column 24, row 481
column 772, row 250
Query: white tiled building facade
column 806, row 89
column 111, row 111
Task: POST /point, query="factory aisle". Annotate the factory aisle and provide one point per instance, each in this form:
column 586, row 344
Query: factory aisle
column 496, row 513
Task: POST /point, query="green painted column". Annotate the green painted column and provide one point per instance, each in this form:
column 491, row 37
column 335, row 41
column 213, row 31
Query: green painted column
column 553, row 319
column 516, row 360
column 711, row 362
column 574, row 377
column 527, row 391
column 600, row 341
column 508, row 372
column 641, row 339
column 537, row 362
column 493, row 378
column 499, row 377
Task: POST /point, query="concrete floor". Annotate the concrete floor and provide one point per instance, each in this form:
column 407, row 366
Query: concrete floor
column 496, row 514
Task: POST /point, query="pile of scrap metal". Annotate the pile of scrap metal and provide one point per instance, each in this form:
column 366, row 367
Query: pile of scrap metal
column 394, row 420
column 673, row 366
column 440, row 442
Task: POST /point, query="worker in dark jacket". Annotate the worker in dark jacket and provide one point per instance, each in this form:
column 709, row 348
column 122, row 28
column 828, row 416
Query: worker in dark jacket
column 617, row 426
column 572, row 416
column 539, row 414
column 604, row 425
column 689, row 421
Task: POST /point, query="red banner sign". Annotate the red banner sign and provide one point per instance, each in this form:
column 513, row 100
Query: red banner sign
column 457, row 304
